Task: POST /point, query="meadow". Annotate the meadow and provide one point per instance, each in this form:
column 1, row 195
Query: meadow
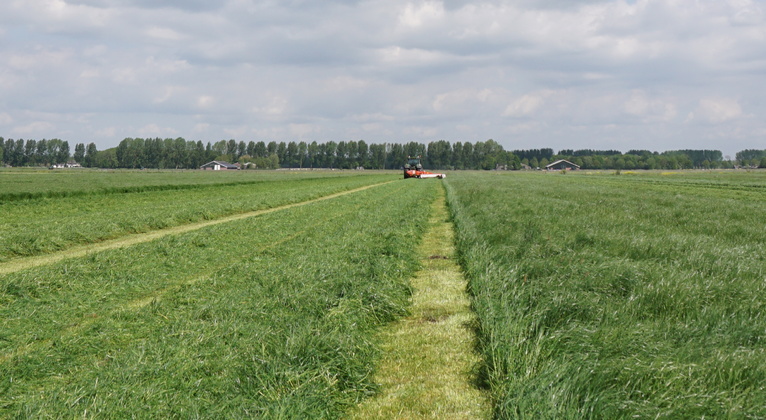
column 60, row 209
column 597, row 295
column 605, row 296
column 270, row 316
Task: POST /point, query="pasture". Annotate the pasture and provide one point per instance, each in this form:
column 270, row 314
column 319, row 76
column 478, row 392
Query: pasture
column 596, row 295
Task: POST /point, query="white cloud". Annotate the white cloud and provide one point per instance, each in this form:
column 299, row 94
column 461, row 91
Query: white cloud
column 416, row 15
column 33, row 128
column 205, row 101
column 166, row 34
column 106, row 132
column 528, row 104
column 649, row 109
column 155, row 130
column 718, row 110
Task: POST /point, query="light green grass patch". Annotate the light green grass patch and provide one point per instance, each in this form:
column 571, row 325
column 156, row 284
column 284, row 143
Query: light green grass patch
column 428, row 363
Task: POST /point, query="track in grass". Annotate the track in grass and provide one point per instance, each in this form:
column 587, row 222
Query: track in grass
column 80, row 251
column 428, row 360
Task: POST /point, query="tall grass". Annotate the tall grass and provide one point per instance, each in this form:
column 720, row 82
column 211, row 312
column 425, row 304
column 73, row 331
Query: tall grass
column 269, row 317
column 604, row 298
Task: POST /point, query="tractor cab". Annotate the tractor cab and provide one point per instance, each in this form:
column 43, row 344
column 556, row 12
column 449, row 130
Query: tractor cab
column 413, row 163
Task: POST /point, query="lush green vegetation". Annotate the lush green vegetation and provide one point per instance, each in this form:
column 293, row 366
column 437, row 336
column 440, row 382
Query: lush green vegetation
column 604, row 296
column 179, row 153
column 639, row 295
column 86, row 207
column 269, row 316
column 32, row 183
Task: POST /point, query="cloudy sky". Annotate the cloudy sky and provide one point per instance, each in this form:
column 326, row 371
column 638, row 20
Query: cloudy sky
column 602, row 74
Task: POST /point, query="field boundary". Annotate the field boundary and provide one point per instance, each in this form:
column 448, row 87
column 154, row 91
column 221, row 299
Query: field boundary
column 138, row 238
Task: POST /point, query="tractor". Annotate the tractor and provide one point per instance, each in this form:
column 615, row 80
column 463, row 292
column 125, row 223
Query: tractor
column 414, row 169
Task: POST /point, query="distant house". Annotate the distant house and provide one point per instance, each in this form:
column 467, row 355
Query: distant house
column 218, row 165
column 560, row 165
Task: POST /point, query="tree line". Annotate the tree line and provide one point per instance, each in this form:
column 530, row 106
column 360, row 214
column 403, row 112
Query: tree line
column 179, row 153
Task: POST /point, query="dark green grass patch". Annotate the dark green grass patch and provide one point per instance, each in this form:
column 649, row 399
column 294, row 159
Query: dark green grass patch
column 599, row 298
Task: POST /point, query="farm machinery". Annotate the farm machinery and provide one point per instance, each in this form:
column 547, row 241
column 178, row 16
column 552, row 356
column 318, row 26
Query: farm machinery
column 414, row 169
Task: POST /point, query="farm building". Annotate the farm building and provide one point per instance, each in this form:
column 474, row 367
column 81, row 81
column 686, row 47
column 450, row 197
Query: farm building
column 561, row 164
column 218, row 165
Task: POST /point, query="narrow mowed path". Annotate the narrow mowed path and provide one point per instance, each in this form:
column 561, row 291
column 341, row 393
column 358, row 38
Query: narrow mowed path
column 138, row 238
column 428, row 363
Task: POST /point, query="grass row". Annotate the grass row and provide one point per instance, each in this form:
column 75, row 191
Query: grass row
column 29, row 184
column 265, row 317
column 36, row 227
column 603, row 298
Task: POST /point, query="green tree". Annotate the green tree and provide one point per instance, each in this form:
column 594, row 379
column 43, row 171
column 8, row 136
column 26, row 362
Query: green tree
column 90, row 155
column 282, row 153
column 291, row 155
column 302, row 154
column 79, row 153
column 30, row 149
column 259, row 150
column 64, row 152
column 363, row 153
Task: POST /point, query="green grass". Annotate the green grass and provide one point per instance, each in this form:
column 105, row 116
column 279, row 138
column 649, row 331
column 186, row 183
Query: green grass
column 26, row 183
column 270, row 317
column 427, row 366
column 43, row 225
column 601, row 296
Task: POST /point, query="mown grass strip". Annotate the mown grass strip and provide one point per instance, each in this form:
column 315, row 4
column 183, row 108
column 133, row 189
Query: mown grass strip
column 428, row 362
column 79, row 251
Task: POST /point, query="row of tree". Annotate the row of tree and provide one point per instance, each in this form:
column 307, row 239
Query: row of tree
column 184, row 154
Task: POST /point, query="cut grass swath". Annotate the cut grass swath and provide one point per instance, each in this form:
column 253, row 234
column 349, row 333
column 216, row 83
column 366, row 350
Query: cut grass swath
column 279, row 327
column 41, row 226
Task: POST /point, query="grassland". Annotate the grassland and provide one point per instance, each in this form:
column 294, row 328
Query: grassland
column 26, row 183
column 597, row 296
column 45, row 222
column 603, row 296
column 270, row 316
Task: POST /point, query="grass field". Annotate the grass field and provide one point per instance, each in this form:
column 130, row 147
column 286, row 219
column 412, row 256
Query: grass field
column 26, row 183
column 597, row 296
column 269, row 316
column 42, row 223
column 604, row 296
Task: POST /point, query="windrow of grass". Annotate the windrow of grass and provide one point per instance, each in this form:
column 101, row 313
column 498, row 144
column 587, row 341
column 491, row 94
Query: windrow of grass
column 41, row 226
column 268, row 317
column 29, row 184
column 604, row 298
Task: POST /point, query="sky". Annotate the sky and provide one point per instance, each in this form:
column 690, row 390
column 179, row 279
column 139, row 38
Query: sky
column 565, row 74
